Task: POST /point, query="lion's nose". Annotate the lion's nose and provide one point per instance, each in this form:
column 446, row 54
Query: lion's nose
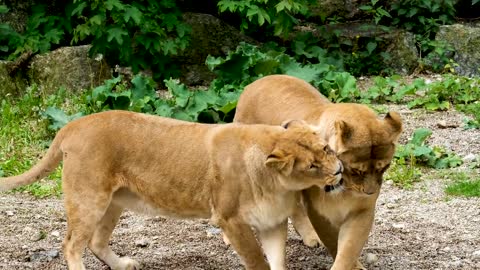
column 340, row 169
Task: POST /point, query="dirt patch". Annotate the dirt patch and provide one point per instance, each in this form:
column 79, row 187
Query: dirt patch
column 421, row 228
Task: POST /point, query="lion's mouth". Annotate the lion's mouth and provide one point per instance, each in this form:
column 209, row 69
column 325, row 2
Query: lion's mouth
column 330, row 188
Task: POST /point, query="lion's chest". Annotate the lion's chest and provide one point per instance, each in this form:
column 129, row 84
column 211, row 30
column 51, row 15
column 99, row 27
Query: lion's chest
column 269, row 212
column 335, row 209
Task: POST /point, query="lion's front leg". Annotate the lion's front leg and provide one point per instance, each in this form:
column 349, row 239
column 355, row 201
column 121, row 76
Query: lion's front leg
column 242, row 238
column 352, row 236
column 303, row 226
column 274, row 245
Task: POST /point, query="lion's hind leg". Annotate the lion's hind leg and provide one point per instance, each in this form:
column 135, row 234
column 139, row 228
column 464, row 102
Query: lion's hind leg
column 87, row 204
column 99, row 244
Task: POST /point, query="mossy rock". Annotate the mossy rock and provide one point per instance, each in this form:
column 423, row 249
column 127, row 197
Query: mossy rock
column 465, row 41
column 68, row 67
column 11, row 84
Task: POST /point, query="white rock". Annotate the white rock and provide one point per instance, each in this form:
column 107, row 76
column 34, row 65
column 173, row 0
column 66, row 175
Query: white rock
column 9, row 213
column 55, row 233
column 371, row 258
column 141, row 243
column 398, row 226
column 469, row 158
column 476, row 254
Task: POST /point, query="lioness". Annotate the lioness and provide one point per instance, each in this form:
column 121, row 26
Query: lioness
column 342, row 216
column 239, row 176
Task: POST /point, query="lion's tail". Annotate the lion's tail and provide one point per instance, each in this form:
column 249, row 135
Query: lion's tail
column 43, row 168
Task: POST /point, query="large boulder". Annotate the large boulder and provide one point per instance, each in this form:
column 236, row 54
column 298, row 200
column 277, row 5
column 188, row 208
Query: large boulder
column 465, row 41
column 398, row 45
column 209, row 36
column 68, row 67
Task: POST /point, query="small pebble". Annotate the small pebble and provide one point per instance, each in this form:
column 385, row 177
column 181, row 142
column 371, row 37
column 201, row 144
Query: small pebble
column 469, row 158
column 55, row 234
column 142, row 243
column 398, row 226
column 476, row 254
column 9, row 213
column 371, row 258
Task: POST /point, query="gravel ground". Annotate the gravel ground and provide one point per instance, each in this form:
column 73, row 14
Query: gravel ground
column 419, row 228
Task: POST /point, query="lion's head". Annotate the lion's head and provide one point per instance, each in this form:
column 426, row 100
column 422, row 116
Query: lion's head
column 303, row 159
column 364, row 143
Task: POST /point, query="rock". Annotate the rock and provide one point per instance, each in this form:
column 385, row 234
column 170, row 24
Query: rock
column 209, row 36
column 465, row 41
column 44, row 255
column 444, row 124
column 399, row 45
column 469, row 158
column 398, row 226
column 344, row 9
column 68, row 67
column 55, row 234
column 142, row 243
column 9, row 213
column 371, row 258
column 12, row 84
column 476, row 255
column 213, row 231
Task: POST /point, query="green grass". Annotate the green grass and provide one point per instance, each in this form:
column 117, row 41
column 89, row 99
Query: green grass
column 24, row 134
column 463, row 185
column 403, row 173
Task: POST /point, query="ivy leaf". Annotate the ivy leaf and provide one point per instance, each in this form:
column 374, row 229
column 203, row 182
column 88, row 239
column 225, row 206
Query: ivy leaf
column 116, row 33
column 420, row 135
column 371, row 46
column 142, row 87
column 97, row 19
column 3, row 9
column 421, row 151
column 133, row 13
column 163, row 108
column 59, row 118
column 284, row 4
column 109, row 4
column 475, row 1
column 79, row 8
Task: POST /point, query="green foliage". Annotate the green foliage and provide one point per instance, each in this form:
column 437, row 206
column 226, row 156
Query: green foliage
column 212, row 105
column 143, row 34
column 277, row 16
column 249, row 63
column 376, row 10
column 462, row 185
column 403, row 173
column 59, row 118
column 40, row 33
column 417, row 150
column 424, row 18
column 24, row 134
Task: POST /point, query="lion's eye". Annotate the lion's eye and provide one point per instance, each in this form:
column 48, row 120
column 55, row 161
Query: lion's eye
column 358, row 172
column 313, row 167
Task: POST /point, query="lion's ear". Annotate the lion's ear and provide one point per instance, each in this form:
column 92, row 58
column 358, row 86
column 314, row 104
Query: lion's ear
column 343, row 133
column 395, row 123
column 293, row 123
column 281, row 162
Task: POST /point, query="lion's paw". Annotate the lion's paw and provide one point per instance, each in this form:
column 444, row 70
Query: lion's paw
column 359, row 266
column 312, row 240
column 126, row 263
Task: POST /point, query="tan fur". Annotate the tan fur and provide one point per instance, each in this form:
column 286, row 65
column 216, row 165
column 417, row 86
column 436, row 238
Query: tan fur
column 365, row 143
column 239, row 176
